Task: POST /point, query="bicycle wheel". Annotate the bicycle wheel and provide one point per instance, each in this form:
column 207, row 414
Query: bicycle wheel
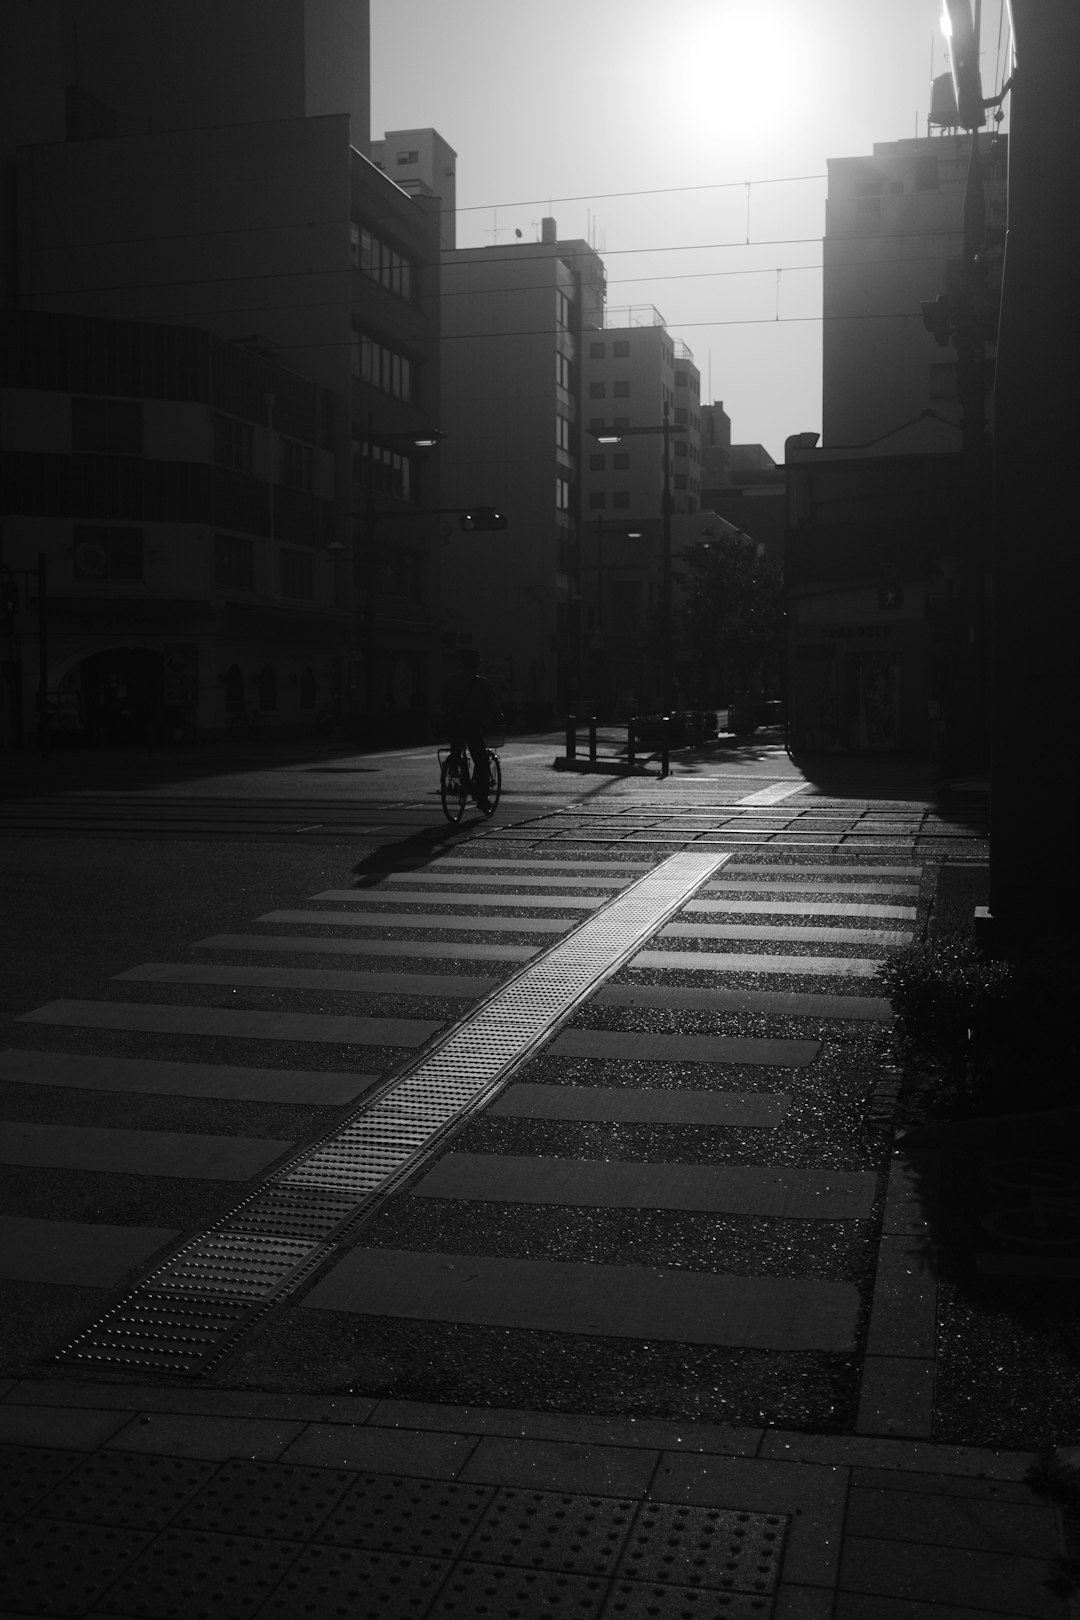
column 453, row 787
column 494, row 781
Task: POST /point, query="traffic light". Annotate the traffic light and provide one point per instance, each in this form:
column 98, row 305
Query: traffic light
column 9, row 598
column 482, row 517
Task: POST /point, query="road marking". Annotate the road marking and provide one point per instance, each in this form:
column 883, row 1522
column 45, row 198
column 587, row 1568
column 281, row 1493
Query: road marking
column 471, row 950
column 720, row 1189
column 840, row 967
column 423, row 921
column 714, row 998
column 718, row 906
column 758, row 1110
column 459, row 897
column 76, row 1254
column 637, row 1302
column 235, row 1023
column 285, row 978
column 774, row 793
column 138, row 1153
column 169, row 1078
column 791, row 934
column 615, row 1045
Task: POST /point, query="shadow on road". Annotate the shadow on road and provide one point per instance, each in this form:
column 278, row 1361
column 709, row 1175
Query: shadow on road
column 415, row 851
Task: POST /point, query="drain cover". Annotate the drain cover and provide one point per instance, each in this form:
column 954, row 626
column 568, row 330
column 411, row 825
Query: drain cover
column 188, row 1313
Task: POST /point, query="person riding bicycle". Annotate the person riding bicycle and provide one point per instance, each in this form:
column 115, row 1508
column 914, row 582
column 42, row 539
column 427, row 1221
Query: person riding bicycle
column 473, row 713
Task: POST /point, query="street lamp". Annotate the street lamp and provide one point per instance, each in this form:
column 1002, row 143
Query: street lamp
column 666, row 428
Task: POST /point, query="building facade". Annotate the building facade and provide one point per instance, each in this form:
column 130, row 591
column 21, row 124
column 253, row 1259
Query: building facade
column 251, row 211
column 515, row 318
column 894, row 238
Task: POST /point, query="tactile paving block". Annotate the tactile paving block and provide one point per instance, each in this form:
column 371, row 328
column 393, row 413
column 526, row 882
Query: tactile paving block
column 27, row 1473
column 492, row 1592
column 274, row 1499
column 127, row 1489
column 553, row 1530
column 192, row 1575
column 634, row 1600
column 698, row 1546
column 346, row 1583
column 398, row 1514
column 47, row 1567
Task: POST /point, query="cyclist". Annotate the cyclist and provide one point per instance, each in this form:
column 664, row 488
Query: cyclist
column 473, row 713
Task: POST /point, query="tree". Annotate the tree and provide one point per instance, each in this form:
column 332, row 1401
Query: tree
column 729, row 615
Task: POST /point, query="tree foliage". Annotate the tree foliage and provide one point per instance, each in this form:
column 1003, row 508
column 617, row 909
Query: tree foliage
column 729, row 612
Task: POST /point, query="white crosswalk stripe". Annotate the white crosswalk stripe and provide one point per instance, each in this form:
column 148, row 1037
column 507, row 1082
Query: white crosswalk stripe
column 792, row 923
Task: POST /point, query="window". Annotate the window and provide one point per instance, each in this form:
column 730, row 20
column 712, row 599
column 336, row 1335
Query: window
column 562, row 371
column 297, row 576
column 390, row 472
column 867, row 216
column 232, row 443
column 296, row 464
column 621, row 498
column 408, row 157
column 597, row 351
column 620, row 423
column 681, row 379
column 681, row 447
column 597, row 390
column 385, row 368
column 597, row 463
column 562, row 433
column 562, row 495
column 562, row 308
column 621, row 390
column 398, row 573
column 107, row 554
column 383, row 263
column 234, row 562
column 621, row 349
column 620, row 461
column 597, row 500
column 106, row 427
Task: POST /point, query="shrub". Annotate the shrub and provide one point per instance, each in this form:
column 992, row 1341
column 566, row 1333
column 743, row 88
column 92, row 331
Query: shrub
column 944, row 996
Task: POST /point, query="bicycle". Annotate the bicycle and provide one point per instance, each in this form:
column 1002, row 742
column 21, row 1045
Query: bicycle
column 247, row 725
column 456, row 785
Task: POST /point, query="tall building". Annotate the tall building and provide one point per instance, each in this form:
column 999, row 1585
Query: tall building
column 206, row 166
column 514, row 320
column 894, row 235
column 424, row 165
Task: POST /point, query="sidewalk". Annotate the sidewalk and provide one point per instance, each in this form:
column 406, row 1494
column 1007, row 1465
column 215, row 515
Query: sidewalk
column 158, row 1501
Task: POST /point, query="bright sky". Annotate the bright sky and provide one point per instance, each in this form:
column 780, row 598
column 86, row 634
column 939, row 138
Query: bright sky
column 563, row 107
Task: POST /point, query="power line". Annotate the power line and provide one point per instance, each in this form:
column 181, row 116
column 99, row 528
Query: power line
column 653, row 191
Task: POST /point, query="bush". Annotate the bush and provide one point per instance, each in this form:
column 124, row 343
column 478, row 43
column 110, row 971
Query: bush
column 945, row 997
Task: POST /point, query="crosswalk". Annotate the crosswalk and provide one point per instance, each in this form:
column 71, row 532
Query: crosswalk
column 662, row 1167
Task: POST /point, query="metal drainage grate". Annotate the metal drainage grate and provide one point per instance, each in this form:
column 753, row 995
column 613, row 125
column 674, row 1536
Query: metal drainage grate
column 185, row 1316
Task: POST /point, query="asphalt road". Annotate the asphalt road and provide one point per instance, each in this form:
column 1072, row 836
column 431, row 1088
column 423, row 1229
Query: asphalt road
column 198, row 987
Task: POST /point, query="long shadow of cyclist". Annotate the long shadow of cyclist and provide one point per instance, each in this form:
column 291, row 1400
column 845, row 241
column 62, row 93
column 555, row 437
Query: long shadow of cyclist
column 411, row 853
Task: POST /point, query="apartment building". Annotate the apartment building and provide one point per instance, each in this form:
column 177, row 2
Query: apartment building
column 206, row 166
column 515, row 318
column 180, row 491
column 893, row 239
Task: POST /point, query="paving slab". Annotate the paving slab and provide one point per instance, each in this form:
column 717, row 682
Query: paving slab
column 987, row 1582
column 42, row 1424
column 78, row 1254
column 360, row 898
column 750, row 1109
column 721, row 1189
column 388, row 1451
column 1027, row 1529
column 560, row 1466
column 170, row 1078
column 620, row 1301
column 170, row 1434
